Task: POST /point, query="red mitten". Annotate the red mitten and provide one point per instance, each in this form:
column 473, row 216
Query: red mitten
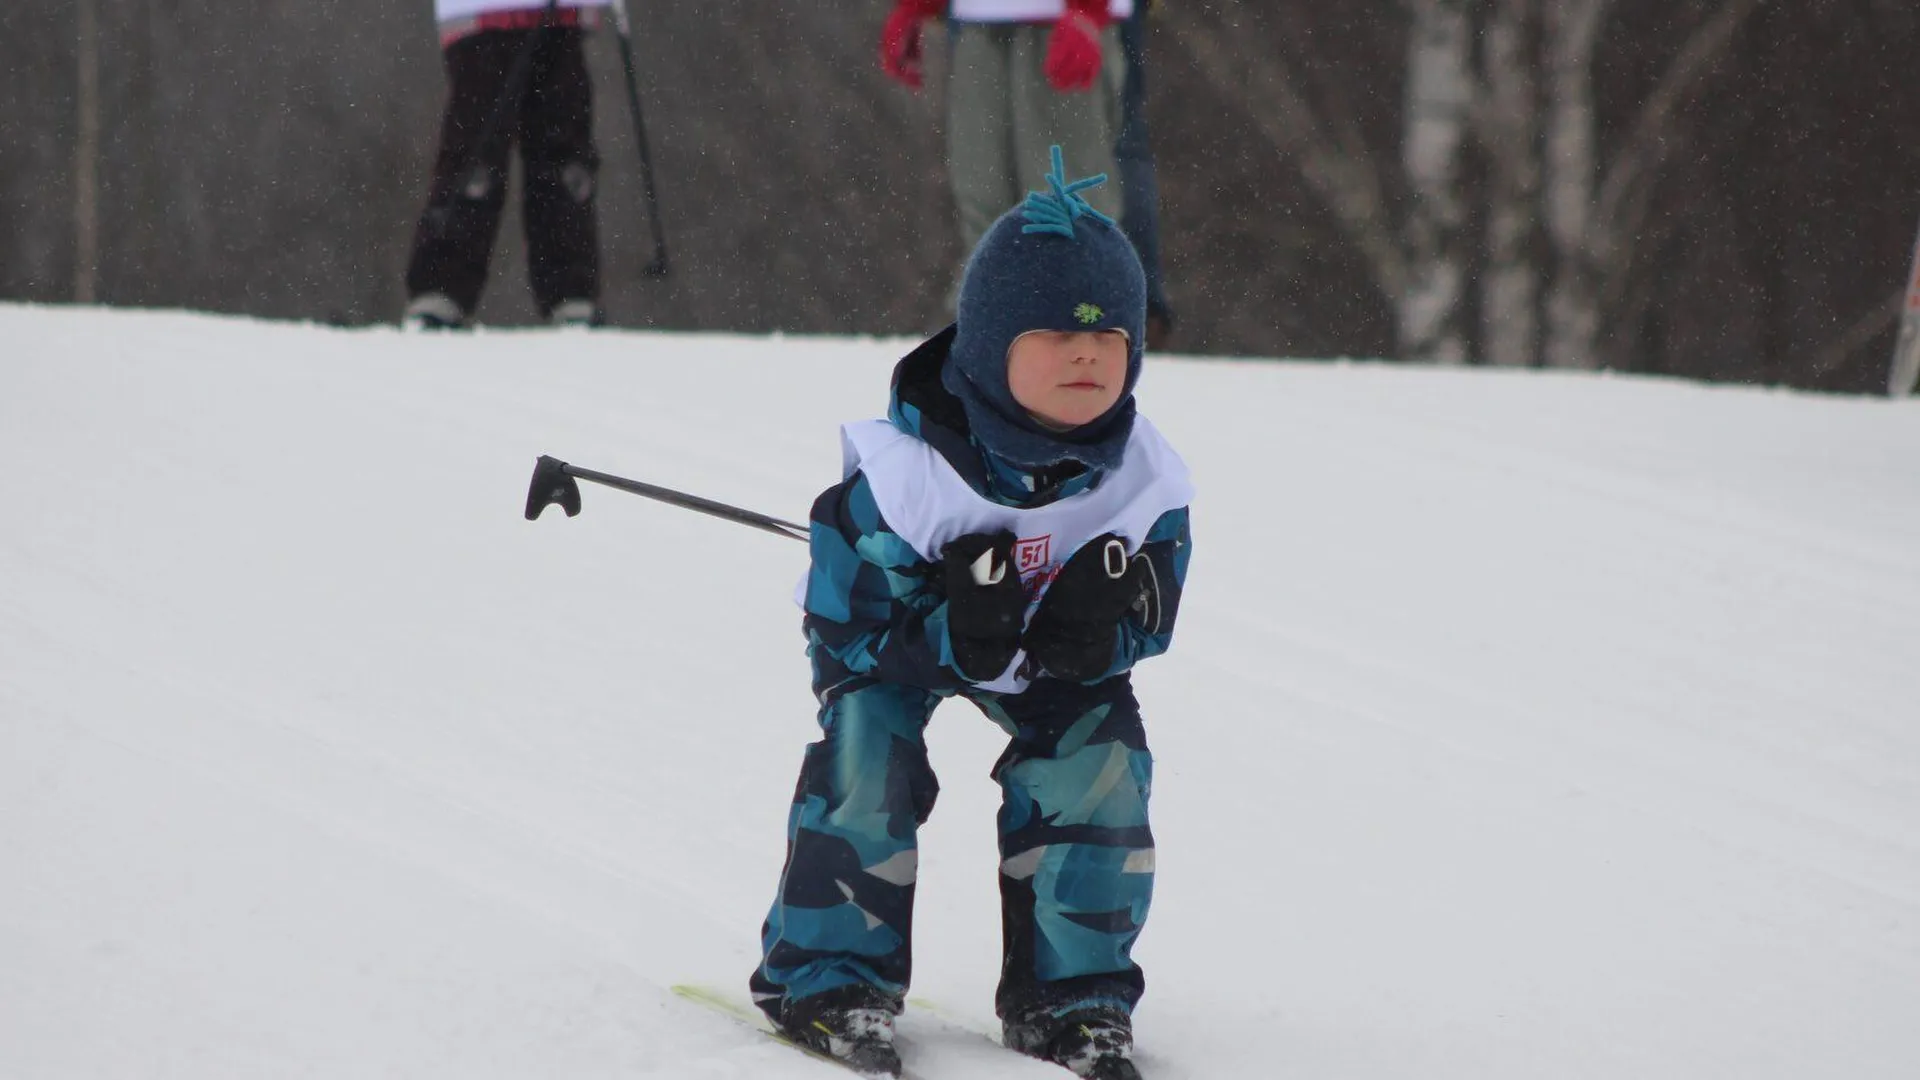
column 900, row 39
column 1073, row 49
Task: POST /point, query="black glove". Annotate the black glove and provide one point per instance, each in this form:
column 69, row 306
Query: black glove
column 1074, row 632
column 983, row 619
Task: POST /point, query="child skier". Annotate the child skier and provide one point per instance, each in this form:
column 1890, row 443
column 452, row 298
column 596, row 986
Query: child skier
column 1013, row 533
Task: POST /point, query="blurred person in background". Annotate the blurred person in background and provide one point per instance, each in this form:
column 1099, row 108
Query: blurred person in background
column 1026, row 75
column 516, row 72
column 1139, row 181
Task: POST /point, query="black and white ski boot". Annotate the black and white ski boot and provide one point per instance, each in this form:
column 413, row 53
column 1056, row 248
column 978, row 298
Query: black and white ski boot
column 853, row 1028
column 433, row 311
column 577, row 314
column 1094, row 1043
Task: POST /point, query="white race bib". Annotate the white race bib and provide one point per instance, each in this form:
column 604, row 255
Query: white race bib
column 927, row 504
column 448, row 10
column 1026, row 10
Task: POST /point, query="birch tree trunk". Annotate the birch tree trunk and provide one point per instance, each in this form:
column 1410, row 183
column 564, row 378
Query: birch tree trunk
column 1430, row 312
column 86, row 156
column 1510, row 138
column 1555, row 216
column 1577, row 235
column 1589, row 214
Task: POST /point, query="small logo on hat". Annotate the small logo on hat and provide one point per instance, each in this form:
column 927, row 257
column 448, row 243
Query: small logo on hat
column 1088, row 314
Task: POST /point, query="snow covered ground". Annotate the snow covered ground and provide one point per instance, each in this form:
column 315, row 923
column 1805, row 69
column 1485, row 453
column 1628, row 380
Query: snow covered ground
column 1518, row 725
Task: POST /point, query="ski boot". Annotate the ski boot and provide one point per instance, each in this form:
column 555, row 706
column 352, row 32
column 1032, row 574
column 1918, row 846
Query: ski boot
column 434, row 311
column 852, row 1025
column 1095, row 1043
column 577, row 313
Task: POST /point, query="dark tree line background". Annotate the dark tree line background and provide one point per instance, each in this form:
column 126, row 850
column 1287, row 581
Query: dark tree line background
column 269, row 159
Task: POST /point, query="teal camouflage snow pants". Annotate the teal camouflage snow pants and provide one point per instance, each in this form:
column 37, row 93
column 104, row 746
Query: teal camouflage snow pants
column 1076, row 852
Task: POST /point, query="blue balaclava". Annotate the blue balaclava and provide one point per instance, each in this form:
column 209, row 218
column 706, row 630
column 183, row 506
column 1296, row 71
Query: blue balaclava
column 1052, row 263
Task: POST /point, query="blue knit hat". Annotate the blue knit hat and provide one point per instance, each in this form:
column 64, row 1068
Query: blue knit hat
column 1052, row 263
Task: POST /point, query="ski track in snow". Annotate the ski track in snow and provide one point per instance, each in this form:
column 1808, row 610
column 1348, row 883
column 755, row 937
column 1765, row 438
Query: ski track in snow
column 1518, row 724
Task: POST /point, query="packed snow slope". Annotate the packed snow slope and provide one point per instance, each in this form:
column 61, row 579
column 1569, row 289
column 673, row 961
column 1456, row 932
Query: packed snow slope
column 1517, row 726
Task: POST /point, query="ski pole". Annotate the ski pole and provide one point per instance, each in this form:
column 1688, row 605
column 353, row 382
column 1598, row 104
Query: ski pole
column 624, row 31
column 554, row 482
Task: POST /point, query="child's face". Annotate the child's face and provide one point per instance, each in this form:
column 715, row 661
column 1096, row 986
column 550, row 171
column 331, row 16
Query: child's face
column 1065, row 379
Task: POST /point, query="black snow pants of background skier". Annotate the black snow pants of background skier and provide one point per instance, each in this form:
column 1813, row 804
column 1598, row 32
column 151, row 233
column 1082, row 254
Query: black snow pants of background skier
column 553, row 124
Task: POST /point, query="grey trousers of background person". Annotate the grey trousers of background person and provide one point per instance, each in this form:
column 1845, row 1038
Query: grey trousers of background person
column 1002, row 115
